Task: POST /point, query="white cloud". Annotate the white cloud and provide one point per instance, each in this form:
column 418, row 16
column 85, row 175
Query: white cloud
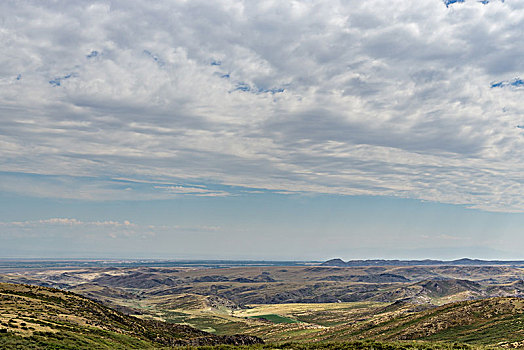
column 446, row 237
column 68, row 222
column 375, row 98
column 195, row 191
column 69, row 227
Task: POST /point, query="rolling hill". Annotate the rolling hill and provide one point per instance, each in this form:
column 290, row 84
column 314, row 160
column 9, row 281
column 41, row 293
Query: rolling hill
column 41, row 317
column 493, row 321
column 304, row 304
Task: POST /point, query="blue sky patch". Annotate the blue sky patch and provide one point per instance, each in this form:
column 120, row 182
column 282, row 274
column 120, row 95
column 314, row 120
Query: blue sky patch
column 517, row 82
column 93, row 54
column 216, row 63
column 154, row 57
column 246, row 88
column 242, row 87
column 451, row 2
column 58, row 81
column 272, row 90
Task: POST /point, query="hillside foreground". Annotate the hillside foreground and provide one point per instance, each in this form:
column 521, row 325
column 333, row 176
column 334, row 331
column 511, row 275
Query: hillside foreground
column 291, row 307
column 38, row 317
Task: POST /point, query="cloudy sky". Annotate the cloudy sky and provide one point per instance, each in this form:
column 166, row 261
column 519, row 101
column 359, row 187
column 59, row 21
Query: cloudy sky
column 262, row 129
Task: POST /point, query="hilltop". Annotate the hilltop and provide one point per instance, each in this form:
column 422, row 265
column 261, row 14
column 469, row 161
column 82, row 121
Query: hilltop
column 495, row 321
column 33, row 317
column 426, row 262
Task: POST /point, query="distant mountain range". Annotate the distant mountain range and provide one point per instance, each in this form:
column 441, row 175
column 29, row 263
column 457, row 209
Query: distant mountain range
column 426, row 262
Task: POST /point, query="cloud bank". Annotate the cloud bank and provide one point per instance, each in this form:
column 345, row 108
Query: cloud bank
column 75, row 228
column 415, row 99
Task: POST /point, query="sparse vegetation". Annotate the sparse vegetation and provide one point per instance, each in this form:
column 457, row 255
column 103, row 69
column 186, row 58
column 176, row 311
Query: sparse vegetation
column 275, row 318
column 436, row 305
column 64, row 320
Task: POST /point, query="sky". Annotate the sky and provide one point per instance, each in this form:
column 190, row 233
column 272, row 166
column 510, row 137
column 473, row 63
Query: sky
column 289, row 130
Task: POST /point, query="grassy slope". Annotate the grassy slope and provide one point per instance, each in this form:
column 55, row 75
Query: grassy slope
column 39, row 317
column 44, row 318
column 354, row 345
column 487, row 321
column 482, row 322
column 323, row 321
column 490, row 321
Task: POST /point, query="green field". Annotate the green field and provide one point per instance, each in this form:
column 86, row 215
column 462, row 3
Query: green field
column 275, row 318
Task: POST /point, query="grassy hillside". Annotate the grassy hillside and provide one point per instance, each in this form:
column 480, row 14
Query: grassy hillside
column 33, row 317
column 487, row 321
column 493, row 321
column 277, row 304
column 39, row 317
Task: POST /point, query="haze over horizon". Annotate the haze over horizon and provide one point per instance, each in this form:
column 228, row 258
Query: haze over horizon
column 301, row 130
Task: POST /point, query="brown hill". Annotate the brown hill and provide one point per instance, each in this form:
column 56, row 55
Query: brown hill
column 31, row 315
column 493, row 321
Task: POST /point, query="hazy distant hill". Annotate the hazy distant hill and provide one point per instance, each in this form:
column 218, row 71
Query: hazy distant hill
column 427, row 262
column 275, row 285
column 38, row 317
